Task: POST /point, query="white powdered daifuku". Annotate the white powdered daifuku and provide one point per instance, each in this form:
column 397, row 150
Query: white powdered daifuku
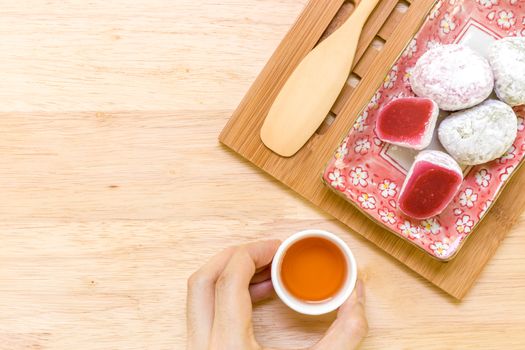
column 454, row 76
column 430, row 185
column 480, row 134
column 507, row 58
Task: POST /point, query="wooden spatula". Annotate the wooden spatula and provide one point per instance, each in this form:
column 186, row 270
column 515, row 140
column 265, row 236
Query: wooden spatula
column 306, row 98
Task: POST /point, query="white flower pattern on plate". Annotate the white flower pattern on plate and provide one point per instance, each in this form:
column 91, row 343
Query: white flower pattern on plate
column 484, row 208
column 506, row 19
column 487, row 3
column 391, row 78
column 516, row 33
column 359, row 177
column 396, row 96
column 362, row 146
column 431, row 226
column 360, row 123
column 374, row 102
column 387, row 216
column 367, row 201
column 340, row 164
column 505, row 174
column 510, row 154
column 440, row 248
column 417, row 234
column 407, row 229
column 521, row 124
column 447, row 24
column 468, row 198
column 464, row 224
column 435, row 11
column 411, row 49
column 388, row 188
column 342, row 150
column 483, row 178
column 336, row 179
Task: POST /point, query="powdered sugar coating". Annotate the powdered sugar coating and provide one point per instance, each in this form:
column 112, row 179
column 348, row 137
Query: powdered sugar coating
column 454, row 76
column 507, row 58
column 480, row 134
column 439, row 158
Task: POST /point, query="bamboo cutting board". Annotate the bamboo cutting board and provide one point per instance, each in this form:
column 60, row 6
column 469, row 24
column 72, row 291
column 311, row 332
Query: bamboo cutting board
column 388, row 31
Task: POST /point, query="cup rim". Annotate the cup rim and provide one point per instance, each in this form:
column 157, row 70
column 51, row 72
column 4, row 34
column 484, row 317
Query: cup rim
column 321, row 307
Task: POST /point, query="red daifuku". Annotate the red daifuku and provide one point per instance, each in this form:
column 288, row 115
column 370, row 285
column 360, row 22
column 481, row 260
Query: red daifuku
column 408, row 122
column 431, row 183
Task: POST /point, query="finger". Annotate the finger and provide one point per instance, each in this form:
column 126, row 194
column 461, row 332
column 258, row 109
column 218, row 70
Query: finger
column 263, row 275
column 233, row 307
column 261, row 291
column 350, row 327
column 201, row 300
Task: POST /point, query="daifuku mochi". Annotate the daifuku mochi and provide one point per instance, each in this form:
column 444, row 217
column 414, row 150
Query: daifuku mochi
column 431, row 184
column 507, row 58
column 408, row 122
column 454, row 76
column 479, row 134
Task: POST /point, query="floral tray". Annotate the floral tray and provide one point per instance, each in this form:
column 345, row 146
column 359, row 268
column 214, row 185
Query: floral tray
column 369, row 172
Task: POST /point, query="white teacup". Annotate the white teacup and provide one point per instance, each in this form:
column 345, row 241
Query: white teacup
column 314, row 308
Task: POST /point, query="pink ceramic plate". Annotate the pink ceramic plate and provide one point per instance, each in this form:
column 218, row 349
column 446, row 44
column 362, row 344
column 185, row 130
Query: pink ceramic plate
column 369, row 173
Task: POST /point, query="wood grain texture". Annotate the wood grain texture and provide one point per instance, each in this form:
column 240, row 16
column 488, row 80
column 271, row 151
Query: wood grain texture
column 309, row 93
column 114, row 187
column 302, row 171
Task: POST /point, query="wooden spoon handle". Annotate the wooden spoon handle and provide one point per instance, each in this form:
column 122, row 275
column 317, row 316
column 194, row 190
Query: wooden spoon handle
column 363, row 11
column 307, row 96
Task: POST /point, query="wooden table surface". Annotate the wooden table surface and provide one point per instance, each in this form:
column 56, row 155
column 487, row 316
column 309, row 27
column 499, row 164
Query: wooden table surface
column 114, row 187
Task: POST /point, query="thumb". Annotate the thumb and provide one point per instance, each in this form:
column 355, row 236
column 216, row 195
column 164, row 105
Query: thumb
column 350, row 327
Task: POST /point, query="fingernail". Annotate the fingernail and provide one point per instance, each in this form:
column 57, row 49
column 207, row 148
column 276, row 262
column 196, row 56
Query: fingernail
column 360, row 289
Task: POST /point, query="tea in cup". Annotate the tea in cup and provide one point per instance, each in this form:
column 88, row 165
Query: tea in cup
column 314, row 272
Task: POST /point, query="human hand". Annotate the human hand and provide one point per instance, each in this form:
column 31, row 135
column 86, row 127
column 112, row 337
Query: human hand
column 221, row 293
